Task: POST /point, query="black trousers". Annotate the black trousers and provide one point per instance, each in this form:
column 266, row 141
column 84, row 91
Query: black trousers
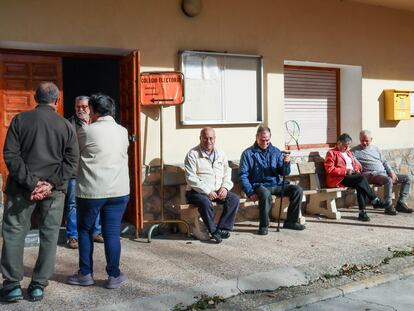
column 360, row 184
column 205, row 208
column 295, row 194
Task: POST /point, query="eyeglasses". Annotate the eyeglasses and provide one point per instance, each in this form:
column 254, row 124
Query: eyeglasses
column 84, row 107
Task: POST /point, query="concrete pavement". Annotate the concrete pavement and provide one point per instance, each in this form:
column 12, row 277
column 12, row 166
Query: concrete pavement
column 173, row 269
column 371, row 293
column 396, row 295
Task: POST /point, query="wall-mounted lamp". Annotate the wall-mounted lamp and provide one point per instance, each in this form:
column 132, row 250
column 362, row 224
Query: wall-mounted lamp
column 191, row 8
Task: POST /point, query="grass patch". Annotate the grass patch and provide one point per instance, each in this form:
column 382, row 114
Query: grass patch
column 329, row 276
column 348, row 269
column 403, row 253
column 205, row 302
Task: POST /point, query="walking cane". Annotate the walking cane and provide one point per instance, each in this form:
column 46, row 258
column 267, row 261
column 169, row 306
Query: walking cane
column 283, row 189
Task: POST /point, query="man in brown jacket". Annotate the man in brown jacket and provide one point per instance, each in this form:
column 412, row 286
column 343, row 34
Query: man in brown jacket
column 41, row 153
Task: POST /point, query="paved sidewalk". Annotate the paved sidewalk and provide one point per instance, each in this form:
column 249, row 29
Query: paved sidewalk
column 175, row 269
column 395, row 295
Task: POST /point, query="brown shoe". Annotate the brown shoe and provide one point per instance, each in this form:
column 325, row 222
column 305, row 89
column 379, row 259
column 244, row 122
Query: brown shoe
column 98, row 238
column 72, row 243
column 403, row 207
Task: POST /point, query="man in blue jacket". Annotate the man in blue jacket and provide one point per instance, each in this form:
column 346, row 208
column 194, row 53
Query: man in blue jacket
column 260, row 168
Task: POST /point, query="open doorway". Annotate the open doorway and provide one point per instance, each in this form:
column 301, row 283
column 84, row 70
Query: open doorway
column 77, row 74
column 86, row 76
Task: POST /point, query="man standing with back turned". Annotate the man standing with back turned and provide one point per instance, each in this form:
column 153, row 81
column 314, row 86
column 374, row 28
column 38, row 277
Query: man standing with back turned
column 377, row 170
column 41, row 153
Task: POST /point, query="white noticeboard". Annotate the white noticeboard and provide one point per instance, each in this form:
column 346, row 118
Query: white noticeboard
column 221, row 88
column 412, row 103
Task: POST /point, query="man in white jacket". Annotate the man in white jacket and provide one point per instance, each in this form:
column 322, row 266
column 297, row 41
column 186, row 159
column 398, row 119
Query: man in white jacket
column 208, row 177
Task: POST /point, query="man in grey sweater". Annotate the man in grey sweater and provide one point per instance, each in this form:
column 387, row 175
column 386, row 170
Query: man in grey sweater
column 378, row 171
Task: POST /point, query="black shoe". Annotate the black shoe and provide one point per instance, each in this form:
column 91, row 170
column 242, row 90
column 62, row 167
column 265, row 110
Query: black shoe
column 363, row 216
column 403, row 207
column 263, row 231
column 390, row 211
column 35, row 292
column 225, row 234
column 217, row 236
column 11, row 295
column 293, row 226
column 381, row 204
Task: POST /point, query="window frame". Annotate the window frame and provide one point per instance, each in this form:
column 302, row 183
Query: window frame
column 259, row 105
column 338, row 104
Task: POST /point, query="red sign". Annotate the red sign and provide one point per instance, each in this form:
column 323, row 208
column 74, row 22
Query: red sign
column 162, row 88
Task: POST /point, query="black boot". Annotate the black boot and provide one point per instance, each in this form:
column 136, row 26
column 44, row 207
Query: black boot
column 363, row 216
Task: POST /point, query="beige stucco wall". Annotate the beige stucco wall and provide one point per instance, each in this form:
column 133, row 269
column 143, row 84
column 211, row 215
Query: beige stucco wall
column 325, row 31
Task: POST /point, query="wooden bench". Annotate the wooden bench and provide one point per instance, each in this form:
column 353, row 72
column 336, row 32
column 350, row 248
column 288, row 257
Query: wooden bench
column 248, row 210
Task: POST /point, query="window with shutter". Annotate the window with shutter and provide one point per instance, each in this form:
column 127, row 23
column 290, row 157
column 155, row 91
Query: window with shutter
column 312, row 100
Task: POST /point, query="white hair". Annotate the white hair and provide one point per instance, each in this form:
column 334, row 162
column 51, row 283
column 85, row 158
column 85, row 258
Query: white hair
column 365, row 133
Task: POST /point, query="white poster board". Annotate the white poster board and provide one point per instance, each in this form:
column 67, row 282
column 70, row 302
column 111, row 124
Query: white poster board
column 221, row 88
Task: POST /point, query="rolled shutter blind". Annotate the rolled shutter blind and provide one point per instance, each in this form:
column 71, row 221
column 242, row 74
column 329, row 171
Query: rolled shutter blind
column 311, row 100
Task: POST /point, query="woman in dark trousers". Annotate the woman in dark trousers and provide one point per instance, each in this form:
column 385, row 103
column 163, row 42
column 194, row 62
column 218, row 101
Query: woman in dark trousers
column 343, row 170
column 102, row 188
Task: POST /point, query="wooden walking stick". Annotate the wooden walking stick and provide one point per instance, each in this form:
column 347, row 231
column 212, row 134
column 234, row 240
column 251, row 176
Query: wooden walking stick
column 283, row 189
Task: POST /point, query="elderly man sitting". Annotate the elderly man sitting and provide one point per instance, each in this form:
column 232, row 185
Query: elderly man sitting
column 208, row 177
column 378, row 171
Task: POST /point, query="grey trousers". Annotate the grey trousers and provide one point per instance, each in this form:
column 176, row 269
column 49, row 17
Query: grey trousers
column 16, row 224
column 403, row 180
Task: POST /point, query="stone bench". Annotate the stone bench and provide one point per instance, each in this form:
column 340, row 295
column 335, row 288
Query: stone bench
column 323, row 202
column 318, row 199
column 248, row 210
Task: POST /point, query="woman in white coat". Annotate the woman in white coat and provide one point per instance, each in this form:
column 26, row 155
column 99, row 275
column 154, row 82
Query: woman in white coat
column 102, row 188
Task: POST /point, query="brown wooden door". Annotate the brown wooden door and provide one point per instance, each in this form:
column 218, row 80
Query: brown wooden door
column 19, row 77
column 130, row 117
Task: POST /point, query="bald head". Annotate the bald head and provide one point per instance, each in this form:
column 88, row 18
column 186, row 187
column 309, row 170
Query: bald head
column 46, row 93
column 365, row 138
column 207, row 138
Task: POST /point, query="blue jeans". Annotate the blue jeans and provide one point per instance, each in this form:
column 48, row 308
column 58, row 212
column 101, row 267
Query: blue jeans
column 71, row 226
column 111, row 210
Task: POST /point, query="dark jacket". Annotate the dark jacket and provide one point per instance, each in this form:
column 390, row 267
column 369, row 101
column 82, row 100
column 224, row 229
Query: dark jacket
column 260, row 167
column 40, row 145
column 76, row 124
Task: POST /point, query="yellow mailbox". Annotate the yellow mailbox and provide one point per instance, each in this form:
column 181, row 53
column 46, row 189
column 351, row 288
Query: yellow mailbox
column 397, row 105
